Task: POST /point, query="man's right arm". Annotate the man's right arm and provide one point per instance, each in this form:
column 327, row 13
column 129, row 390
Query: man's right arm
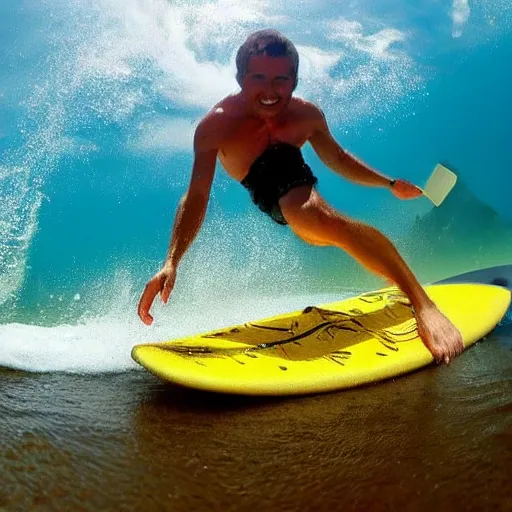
column 189, row 218
column 192, row 207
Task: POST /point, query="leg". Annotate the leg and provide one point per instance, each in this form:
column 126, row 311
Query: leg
column 313, row 220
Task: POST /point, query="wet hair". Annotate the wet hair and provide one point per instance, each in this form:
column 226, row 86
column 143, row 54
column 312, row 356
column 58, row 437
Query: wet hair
column 265, row 42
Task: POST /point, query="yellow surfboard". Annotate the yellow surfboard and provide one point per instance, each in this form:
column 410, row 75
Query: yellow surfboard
column 322, row 348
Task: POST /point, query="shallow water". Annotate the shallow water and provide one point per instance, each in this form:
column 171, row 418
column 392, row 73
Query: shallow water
column 439, row 438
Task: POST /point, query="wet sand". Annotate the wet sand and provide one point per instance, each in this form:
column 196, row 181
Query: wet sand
column 438, row 439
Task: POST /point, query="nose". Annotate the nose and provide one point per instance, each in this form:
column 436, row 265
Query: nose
column 268, row 87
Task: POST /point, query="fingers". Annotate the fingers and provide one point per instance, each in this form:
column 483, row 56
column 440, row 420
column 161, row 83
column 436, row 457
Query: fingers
column 143, row 312
column 161, row 283
column 146, row 301
column 167, row 289
column 168, row 286
column 405, row 190
column 412, row 191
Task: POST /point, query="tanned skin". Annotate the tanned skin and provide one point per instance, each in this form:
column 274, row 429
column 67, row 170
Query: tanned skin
column 236, row 131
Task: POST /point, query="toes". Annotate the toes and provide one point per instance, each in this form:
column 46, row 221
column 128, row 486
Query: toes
column 438, row 356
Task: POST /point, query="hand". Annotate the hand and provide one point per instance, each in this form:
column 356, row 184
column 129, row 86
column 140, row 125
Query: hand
column 163, row 283
column 405, row 190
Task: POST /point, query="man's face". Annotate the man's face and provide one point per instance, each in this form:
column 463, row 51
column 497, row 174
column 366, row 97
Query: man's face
column 268, row 85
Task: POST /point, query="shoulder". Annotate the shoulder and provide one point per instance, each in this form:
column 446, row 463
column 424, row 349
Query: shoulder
column 216, row 124
column 308, row 111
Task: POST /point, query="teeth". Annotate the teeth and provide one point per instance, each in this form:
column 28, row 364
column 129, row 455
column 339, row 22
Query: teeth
column 269, row 102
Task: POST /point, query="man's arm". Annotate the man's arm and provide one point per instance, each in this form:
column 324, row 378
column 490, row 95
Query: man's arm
column 189, row 218
column 192, row 207
column 337, row 159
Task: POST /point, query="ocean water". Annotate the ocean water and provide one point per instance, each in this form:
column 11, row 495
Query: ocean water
column 98, row 104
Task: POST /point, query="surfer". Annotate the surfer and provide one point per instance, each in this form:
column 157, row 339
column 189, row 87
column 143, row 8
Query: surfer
column 257, row 134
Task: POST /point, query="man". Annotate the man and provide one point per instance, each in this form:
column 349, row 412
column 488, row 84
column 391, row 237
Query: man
column 257, row 135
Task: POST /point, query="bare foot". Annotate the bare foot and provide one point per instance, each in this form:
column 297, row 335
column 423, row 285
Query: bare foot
column 439, row 335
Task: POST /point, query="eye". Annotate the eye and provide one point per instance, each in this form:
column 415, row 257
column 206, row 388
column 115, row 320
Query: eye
column 258, row 76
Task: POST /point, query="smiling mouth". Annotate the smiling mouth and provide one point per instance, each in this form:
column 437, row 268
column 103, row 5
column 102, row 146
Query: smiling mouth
column 269, row 103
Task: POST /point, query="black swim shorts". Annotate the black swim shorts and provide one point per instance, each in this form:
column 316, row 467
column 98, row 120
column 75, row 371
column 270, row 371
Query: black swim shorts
column 279, row 169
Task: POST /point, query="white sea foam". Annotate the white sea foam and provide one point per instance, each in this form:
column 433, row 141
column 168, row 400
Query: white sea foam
column 460, row 15
column 103, row 344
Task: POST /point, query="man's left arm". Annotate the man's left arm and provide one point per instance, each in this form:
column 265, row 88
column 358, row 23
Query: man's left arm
column 343, row 163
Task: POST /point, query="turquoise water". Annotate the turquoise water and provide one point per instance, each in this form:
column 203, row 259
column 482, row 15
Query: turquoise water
column 98, row 105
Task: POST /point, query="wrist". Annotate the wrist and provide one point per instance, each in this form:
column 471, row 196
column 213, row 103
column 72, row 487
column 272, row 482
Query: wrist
column 170, row 263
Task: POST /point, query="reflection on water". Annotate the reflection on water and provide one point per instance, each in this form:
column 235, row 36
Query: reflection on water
column 436, row 438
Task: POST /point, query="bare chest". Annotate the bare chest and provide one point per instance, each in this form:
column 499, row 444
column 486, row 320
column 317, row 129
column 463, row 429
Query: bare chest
column 250, row 138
